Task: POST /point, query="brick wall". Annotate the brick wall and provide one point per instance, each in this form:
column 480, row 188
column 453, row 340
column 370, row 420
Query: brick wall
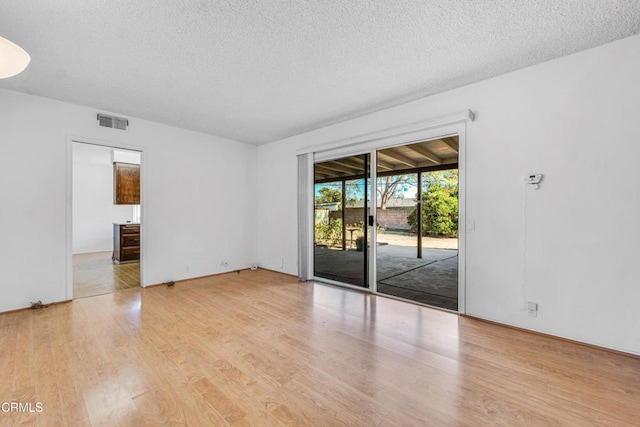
column 389, row 219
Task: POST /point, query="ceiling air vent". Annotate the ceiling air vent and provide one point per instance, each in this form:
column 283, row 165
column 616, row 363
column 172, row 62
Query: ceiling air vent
column 112, row 122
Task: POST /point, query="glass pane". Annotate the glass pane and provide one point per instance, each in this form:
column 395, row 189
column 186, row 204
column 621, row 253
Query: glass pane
column 417, row 255
column 340, row 191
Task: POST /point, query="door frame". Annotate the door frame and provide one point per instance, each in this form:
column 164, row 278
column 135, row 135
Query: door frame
column 71, row 139
column 450, row 125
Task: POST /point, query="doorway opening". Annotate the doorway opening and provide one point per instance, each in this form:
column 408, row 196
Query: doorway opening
column 406, row 244
column 105, row 219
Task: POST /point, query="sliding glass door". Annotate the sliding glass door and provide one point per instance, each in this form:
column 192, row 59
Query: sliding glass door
column 341, row 211
column 412, row 252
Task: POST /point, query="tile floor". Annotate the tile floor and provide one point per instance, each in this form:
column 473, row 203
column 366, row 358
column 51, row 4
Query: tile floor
column 96, row 274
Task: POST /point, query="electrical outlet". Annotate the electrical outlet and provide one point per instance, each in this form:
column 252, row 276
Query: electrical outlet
column 224, row 263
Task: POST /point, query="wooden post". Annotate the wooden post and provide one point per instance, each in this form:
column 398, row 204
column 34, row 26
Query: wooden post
column 419, row 207
column 366, row 222
column 344, row 215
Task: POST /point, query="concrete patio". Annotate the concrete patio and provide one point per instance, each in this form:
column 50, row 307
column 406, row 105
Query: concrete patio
column 432, row 279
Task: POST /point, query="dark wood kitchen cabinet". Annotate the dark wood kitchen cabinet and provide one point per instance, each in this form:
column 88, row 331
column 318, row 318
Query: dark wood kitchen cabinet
column 126, row 243
column 126, row 184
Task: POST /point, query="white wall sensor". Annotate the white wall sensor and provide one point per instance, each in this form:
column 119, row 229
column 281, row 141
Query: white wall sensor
column 533, row 179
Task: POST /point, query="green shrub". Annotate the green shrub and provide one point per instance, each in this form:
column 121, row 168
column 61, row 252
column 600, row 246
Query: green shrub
column 329, row 233
column 439, row 210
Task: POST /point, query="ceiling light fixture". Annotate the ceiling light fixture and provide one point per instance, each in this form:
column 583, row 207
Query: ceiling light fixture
column 13, row 59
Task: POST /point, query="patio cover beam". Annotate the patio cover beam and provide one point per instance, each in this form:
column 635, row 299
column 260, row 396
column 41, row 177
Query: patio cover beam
column 338, row 168
column 452, row 142
column 433, row 168
column 399, row 157
column 426, row 153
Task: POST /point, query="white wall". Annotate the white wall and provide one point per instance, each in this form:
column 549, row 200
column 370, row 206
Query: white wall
column 198, row 191
column 93, row 210
column 575, row 119
column 124, row 156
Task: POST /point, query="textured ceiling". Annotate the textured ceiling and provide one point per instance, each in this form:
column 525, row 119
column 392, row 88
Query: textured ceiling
column 258, row 71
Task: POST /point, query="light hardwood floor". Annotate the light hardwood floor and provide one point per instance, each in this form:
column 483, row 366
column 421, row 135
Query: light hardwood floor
column 260, row 348
column 95, row 274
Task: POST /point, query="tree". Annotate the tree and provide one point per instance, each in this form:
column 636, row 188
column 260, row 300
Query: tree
column 328, row 195
column 355, row 192
column 439, row 205
column 447, row 178
column 332, row 193
column 389, row 187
